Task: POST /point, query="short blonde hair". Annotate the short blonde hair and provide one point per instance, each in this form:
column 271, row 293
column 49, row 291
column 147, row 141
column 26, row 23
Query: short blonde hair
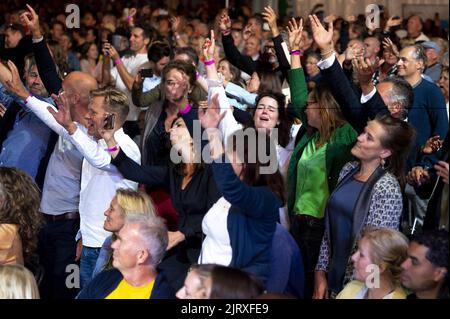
column 135, row 202
column 17, row 282
column 389, row 248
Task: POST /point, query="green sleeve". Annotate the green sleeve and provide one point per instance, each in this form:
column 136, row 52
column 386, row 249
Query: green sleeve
column 299, row 93
column 148, row 98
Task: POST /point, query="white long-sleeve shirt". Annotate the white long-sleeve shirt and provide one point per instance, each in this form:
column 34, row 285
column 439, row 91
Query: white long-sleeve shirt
column 99, row 178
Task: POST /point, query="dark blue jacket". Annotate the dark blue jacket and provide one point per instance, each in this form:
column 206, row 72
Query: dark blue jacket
column 429, row 117
column 105, row 283
column 287, row 275
column 251, row 221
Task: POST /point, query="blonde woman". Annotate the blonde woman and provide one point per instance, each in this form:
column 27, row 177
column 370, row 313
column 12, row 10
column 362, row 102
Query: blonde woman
column 125, row 202
column 17, row 282
column 377, row 266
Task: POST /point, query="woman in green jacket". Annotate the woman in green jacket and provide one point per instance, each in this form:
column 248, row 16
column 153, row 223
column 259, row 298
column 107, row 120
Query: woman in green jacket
column 323, row 149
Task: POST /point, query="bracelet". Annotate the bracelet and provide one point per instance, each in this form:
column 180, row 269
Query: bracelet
column 226, row 31
column 112, row 149
column 118, row 61
column 28, row 98
column 130, row 18
column 295, row 52
column 210, row 62
column 326, row 53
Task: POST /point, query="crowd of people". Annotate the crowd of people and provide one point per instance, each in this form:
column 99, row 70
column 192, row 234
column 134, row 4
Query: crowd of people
column 212, row 153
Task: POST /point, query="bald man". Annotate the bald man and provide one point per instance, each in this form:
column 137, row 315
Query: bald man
column 373, row 47
column 61, row 191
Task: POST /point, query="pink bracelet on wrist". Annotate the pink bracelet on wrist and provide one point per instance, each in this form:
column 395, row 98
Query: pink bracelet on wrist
column 130, row 18
column 113, row 149
column 118, row 61
column 226, row 31
column 210, row 62
column 28, row 98
column 295, row 52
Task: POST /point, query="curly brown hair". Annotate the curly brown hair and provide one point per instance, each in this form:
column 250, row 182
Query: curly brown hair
column 19, row 205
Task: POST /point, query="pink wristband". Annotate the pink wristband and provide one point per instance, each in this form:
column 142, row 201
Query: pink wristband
column 28, row 98
column 118, row 61
column 113, row 149
column 130, row 18
column 210, row 62
column 295, row 52
column 226, row 31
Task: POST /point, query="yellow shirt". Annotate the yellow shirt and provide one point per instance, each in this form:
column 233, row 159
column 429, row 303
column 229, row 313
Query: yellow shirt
column 125, row 291
column 357, row 290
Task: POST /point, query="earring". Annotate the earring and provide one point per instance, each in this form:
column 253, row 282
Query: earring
column 383, row 163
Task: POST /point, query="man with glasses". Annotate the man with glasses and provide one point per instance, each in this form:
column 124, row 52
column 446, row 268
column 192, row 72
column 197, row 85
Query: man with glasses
column 24, row 137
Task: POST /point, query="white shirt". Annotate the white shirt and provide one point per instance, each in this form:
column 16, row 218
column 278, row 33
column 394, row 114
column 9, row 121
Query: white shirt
column 216, row 248
column 99, row 182
column 61, row 191
column 99, row 178
column 150, row 83
column 132, row 64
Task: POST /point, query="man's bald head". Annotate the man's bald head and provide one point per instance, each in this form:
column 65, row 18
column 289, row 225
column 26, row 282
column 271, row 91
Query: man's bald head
column 77, row 87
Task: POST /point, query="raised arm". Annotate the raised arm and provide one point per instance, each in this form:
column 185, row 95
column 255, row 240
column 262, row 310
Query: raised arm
column 271, row 19
column 299, row 91
column 340, row 87
column 44, row 61
column 242, row 62
column 38, row 107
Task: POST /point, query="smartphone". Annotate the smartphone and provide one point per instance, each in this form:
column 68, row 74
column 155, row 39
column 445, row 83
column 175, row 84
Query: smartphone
column 110, row 122
column 146, row 73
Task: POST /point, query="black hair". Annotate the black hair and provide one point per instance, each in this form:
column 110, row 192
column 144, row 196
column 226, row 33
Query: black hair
column 158, row 50
column 437, row 243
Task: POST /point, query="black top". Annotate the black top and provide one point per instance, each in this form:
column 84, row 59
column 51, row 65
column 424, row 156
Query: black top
column 192, row 203
column 340, row 211
column 159, row 143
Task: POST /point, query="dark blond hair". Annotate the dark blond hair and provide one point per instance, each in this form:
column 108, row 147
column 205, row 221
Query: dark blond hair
column 388, row 248
column 330, row 114
column 115, row 101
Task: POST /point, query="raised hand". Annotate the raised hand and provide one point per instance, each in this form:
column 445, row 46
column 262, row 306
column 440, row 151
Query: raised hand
column 390, row 46
column 247, row 32
column 393, row 22
column 13, row 84
column 31, row 20
column 210, row 117
column 270, row 17
column 225, row 21
column 209, row 47
column 175, row 24
column 322, row 37
column 62, row 116
column 365, row 68
column 295, row 34
column 353, row 52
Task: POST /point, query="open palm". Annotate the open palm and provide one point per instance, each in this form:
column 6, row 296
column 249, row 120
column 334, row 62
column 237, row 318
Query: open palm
column 322, row 37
